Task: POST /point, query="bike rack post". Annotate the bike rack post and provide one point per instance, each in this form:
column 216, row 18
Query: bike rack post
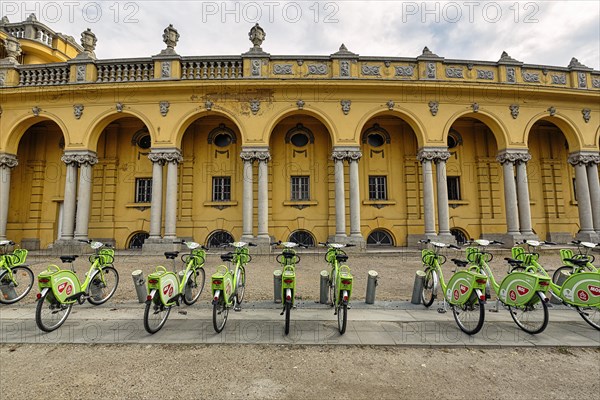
column 277, row 286
column 371, row 285
column 559, row 281
column 8, row 291
column 324, row 287
column 418, row 287
column 140, row 285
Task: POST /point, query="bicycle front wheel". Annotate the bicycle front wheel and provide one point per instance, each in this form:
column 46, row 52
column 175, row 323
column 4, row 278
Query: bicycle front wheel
column 194, row 286
column 591, row 315
column 288, row 308
column 220, row 313
column 428, row 293
column 49, row 313
column 241, row 285
column 155, row 315
column 18, row 286
column 470, row 315
column 103, row 286
column 342, row 315
column 532, row 317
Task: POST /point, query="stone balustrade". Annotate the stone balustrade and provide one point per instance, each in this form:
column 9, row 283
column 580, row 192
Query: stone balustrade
column 43, row 74
column 125, row 70
column 202, row 68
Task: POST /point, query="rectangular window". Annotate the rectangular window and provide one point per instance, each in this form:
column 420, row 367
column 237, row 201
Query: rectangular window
column 300, row 188
column 453, row 187
column 143, row 190
column 221, row 188
column 377, row 187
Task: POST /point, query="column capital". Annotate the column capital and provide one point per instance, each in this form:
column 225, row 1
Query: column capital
column 435, row 154
column 164, row 156
column 252, row 154
column 513, row 156
column 346, row 153
column 8, row 160
column 584, row 157
column 79, row 157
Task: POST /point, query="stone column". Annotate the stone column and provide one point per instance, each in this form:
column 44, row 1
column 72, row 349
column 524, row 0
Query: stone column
column 7, row 162
column 355, row 232
column 426, row 158
column 579, row 160
column 248, row 197
column 263, row 157
column 441, row 156
column 521, row 159
column 172, row 159
column 510, row 194
column 593, row 182
column 158, row 161
column 69, row 201
column 340, row 202
column 84, row 194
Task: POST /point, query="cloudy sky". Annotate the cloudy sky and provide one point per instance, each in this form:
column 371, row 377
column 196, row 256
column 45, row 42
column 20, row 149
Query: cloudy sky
column 535, row 32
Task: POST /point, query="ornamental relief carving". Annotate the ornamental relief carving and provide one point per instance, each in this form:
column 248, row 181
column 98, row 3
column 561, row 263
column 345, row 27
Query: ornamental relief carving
column 559, row 79
column 317, row 69
column 404, row 71
column 514, row 157
column 454, row 73
column 282, row 69
column 8, row 160
column 372, row 70
column 531, row 77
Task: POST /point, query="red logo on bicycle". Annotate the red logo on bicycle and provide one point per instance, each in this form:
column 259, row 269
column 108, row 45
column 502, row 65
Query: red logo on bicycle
column 594, row 290
column 62, row 287
column 583, row 296
column 522, row 290
column 456, row 295
column 168, row 290
column 69, row 289
column 463, row 289
column 512, row 295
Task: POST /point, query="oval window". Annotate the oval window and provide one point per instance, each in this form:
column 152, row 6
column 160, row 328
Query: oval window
column 222, row 140
column 375, row 140
column 299, row 140
column 144, row 142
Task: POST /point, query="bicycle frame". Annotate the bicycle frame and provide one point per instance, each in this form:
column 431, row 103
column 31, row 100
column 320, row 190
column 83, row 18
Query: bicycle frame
column 343, row 277
column 224, row 282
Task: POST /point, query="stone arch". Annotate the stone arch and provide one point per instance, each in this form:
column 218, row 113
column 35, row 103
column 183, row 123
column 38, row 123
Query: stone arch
column 104, row 119
column 372, row 236
column 10, row 142
column 312, row 112
column 407, row 116
column 494, row 123
column 566, row 126
column 189, row 118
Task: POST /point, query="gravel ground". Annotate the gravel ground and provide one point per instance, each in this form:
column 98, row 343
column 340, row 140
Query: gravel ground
column 295, row 372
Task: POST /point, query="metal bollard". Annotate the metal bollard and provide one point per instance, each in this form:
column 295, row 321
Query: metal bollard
column 371, row 285
column 8, row 291
column 140, row 285
column 324, row 286
column 277, row 286
column 562, row 277
column 418, row 287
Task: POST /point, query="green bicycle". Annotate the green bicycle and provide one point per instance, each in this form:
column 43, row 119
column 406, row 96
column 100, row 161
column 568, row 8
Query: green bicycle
column 288, row 260
column 572, row 267
column 465, row 291
column 61, row 288
column 16, row 279
column 229, row 285
column 521, row 290
column 165, row 288
column 340, row 282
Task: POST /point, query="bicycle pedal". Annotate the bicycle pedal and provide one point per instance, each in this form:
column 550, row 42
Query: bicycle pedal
column 237, row 308
column 441, row 310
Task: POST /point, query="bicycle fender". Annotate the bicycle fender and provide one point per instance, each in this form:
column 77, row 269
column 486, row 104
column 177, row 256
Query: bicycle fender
column 151, row 296
column 216, row 296
column 43, row 292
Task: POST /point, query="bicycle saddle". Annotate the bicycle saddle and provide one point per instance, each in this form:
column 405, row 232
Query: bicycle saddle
column 171, row 255
column 341, row 257
column 68, row 259
column 227, row 257
column 513, row 262
column 580, row 262
column 460, row 263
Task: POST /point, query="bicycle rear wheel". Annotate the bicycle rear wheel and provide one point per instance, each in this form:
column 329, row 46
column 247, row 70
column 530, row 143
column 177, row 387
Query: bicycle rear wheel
column 220, row 313
column 241, row 285
column 470, row 315
column 20, row 284
column 532, row 317
column 342, row 315
column 591, row 315
column 49, row 313
column 155, row 315
column 194, row 286
column 558, row 274
column 288, row 308
column 103, row 286
column 428, row 293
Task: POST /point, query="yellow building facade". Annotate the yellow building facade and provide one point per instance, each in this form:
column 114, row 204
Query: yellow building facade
column 371, row 150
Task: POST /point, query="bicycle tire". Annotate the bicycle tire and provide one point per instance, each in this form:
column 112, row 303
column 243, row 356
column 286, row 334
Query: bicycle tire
column 565, row 269
column 342, row 315
column 220, row 313
column 522, row 315
column 18, row 272
column 591, row 315
column 332, row 288
column 160, row 313
column 288, row 308
column 428, row 292
column 108, row 289
column 48, row 304
column 470, row 316
column 241, row 286
column 195, row 282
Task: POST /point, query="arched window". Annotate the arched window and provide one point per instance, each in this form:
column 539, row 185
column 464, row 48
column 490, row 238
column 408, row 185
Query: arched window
column 217, row 238
column 137, row 240
column 379, row 237
column 460, row 236
column 302, row 237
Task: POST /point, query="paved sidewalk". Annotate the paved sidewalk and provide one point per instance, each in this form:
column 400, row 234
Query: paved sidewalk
column 385, row 323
